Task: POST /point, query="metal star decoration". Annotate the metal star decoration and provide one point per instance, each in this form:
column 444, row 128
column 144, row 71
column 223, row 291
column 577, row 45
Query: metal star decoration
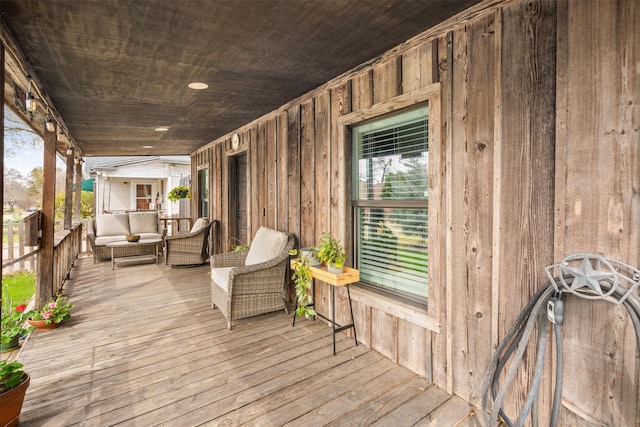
column 586, row 277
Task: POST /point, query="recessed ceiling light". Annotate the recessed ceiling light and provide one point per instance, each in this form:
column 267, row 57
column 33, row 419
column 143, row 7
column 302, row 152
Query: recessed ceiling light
column 162, row 129
column 198, row 85
column 147, row 146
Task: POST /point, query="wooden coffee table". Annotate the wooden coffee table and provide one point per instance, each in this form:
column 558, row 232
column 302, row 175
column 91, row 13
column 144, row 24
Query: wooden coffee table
column 123, row 251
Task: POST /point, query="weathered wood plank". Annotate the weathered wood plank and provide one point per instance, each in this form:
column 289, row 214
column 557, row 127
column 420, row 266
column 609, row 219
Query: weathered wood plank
column 454, row 412
column 415, row 409
column 322, row 164
column 282, row 205
column 387, row 80
column 293, row 153
column 307, row 174
column 270, row 172
column 526, row 189
column 474, row 89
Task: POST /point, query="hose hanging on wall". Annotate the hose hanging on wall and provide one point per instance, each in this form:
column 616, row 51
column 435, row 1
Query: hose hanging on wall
column 584, row 275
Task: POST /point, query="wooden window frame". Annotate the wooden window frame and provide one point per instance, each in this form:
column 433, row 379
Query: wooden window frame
column 423, row 315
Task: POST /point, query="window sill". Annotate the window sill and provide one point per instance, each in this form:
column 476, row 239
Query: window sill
column 395, row 307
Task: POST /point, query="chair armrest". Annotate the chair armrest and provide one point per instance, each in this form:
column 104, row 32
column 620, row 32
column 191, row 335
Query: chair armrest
column 229, row 259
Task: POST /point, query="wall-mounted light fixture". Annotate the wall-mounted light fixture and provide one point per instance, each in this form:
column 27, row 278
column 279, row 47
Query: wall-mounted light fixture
column 31, row 102
column 61, row 135
column 69, row 151
column 51, row 126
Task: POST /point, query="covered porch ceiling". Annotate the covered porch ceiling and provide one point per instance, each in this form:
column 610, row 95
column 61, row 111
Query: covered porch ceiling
column 113, row 71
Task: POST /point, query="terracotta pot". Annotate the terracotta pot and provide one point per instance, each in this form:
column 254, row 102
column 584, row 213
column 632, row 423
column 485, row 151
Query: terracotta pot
column 11, row 403
column 41, row 326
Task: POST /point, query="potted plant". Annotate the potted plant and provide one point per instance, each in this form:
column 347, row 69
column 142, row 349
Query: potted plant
column 332, row 253
column 312, row 254
column 302, row 278
column 13, row 386
column 179, row 192
column 51, row 315
column 13, row 325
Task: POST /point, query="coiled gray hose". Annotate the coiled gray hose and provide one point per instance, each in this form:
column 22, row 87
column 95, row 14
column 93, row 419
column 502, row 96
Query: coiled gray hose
column 519, row 334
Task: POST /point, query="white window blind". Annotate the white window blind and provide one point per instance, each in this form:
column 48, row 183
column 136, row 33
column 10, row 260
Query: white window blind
column 390, row 182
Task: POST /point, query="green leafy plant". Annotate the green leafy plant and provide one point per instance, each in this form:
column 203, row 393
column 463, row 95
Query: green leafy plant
column 57, row 310
column 240, row 246
column 331, row 251
column 11, row 375
column 302, row 278
column 179, row 192
column 13, row 320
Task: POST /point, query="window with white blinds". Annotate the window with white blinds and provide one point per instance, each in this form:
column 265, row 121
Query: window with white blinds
column 390, row 204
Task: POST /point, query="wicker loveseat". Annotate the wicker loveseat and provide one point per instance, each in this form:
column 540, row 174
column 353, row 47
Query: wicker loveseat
column 109, row 228
column 250, row 282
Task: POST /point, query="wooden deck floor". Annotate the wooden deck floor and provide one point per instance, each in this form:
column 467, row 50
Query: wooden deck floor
column 144, row 348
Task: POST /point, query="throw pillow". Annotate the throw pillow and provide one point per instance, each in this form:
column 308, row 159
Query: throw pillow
column 266, row 245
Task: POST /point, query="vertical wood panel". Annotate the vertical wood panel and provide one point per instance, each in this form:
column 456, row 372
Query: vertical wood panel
column 322, row 165
column 417, row 68
column 362, row 90
column 282, row 184
column 271, row 172
column 439, row 267
column 474, row 138
column 307, row 174
column 599, row 202
column 253, row 183
column 293, row 152
column 262, row 177
column 411, row 347
column 384, row 333
column 340, row 105
column 387, row 79
column 527, row 160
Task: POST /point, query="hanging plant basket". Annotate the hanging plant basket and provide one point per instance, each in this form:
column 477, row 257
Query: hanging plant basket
column 179, row 192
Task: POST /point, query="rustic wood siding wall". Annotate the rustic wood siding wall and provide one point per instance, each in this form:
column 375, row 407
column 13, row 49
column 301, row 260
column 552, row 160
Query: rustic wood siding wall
column 535, row 157
column 598, row 198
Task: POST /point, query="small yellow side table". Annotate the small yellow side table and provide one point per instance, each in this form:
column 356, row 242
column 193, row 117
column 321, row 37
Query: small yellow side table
column 350, row 275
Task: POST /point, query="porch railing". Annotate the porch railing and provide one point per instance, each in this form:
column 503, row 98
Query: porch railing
column 67, row 247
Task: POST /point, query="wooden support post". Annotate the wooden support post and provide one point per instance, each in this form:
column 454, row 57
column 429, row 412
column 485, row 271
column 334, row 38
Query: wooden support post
column 44, row 283
column 2, row 156
column 78, row 187
column 68, row 193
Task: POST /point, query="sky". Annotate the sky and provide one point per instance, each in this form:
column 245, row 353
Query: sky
column 20, row 153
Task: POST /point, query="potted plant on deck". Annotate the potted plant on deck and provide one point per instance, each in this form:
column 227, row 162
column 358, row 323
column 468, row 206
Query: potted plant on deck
column 13, row 386
column 51, row 315
column 179, row 192
column 13, row 324
column 332, row 253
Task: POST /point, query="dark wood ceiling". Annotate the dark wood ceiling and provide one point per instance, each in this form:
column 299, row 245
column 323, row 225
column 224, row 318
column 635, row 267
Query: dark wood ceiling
column 115, row 70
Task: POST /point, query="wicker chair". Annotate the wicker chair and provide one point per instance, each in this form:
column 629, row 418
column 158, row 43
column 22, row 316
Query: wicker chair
column 189, row 248
column 250, row 282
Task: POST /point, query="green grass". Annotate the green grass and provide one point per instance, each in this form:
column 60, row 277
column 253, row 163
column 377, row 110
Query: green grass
column 19, row 287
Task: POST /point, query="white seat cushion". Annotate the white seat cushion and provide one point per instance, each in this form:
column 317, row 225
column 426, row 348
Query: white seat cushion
column 220, row 276
column 103, row 240
column 200, row 222
column 143, row 222
column 112, row 225
column 266, row 245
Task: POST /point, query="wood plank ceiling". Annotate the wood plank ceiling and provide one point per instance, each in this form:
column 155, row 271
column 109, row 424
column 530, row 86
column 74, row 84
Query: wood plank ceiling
column 115, row 70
